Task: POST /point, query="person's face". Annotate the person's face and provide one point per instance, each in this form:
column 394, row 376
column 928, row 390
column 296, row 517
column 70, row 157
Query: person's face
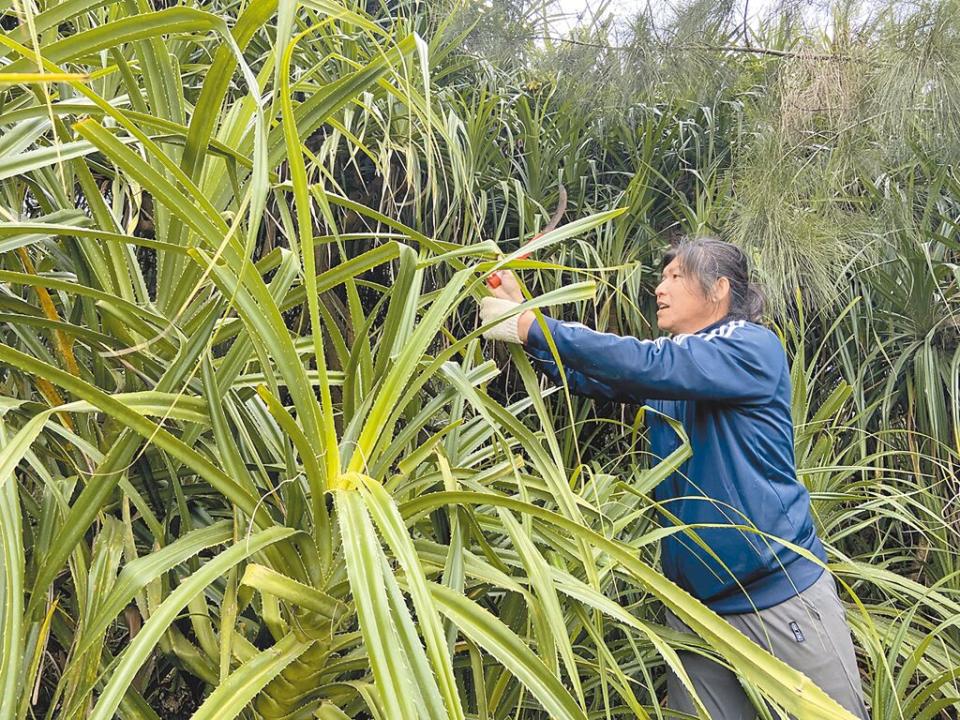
column 682, row 306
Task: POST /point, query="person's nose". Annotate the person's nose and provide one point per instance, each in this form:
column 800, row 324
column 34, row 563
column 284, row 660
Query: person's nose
column 660, row 290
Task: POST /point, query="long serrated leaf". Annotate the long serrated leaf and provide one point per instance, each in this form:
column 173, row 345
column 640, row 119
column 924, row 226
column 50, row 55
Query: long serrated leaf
column 242, row 685
column 143, row 644
column 495, row 637
column 388, row 519
column 363, row 558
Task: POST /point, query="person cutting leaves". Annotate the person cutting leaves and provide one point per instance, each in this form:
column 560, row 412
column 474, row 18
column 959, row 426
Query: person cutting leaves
column 725, row 377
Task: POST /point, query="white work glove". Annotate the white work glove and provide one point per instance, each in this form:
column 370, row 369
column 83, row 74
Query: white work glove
column 492, row 308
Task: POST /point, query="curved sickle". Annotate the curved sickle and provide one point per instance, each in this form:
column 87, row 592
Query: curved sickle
column 494, row 280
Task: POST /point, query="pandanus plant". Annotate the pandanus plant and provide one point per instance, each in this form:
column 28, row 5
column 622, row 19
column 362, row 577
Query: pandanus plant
column 290, row 479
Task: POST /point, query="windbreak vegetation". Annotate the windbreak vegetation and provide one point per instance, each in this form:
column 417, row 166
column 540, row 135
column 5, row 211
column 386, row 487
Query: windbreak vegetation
column 257, row 462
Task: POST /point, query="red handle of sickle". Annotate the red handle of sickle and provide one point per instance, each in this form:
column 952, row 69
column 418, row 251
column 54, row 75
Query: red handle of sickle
column 494, row 280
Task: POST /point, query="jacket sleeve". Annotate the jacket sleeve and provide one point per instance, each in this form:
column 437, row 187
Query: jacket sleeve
column 578, row 383
column 736, row 362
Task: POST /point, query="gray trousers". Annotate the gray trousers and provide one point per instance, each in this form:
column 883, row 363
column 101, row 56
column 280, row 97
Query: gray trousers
column 808, row 632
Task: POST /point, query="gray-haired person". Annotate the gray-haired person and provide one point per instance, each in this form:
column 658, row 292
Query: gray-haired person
column 725, row 377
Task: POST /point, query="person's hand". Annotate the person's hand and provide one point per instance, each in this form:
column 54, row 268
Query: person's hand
column 512, row 329
column 506, row 296
column 493, row 309
column 509, row 288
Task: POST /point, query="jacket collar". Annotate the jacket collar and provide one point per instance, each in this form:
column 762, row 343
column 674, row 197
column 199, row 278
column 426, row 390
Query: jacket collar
column 722, row 321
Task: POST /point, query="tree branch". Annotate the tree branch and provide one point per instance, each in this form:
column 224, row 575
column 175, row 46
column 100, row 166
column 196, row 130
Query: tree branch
column 696, row 46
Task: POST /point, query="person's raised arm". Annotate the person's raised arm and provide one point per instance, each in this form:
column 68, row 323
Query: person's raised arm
column 577, row 382
column 734, row 362
column 515, row 329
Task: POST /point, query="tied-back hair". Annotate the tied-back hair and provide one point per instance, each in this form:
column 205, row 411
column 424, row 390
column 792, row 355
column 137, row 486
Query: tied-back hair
column 708, row 259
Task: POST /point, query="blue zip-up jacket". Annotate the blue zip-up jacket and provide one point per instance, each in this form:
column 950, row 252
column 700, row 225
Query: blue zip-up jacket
column 729, row 385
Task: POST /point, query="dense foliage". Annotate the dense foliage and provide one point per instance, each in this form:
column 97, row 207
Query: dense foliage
column 210, row 510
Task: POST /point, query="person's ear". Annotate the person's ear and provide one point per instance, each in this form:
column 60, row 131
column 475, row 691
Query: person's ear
column 721, row 290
